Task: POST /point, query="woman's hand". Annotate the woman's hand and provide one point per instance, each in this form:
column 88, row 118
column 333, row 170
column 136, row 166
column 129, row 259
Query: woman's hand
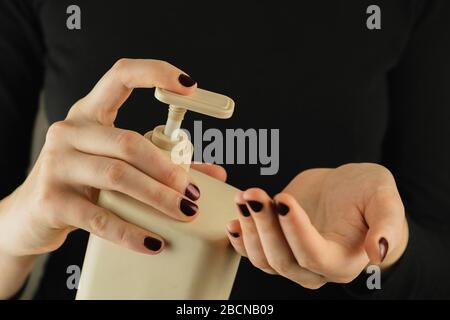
column 85, row 153
column 326, row 226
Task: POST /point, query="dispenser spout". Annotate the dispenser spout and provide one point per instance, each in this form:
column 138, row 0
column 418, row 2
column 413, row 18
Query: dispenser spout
column 173, row 124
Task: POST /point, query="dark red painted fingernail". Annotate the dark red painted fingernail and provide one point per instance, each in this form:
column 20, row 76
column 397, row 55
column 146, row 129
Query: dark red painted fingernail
column 255, row 205
column 244, row 210
column 281, row 208
column 188, row 207
column 152, row 244
column 384, row 247
column 186, row 81
column 234, row 234
column 192, row 192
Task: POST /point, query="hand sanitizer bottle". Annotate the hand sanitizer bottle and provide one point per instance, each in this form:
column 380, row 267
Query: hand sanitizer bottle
column 198, row 261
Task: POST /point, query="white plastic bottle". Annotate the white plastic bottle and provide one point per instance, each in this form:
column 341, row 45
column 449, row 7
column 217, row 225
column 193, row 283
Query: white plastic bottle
column 198, row 261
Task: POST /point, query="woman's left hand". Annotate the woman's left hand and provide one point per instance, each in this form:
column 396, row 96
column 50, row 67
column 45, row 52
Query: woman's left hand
column 326, row 226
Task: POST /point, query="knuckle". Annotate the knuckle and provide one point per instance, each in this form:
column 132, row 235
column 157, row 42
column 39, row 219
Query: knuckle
column 127, row 142
column 77, row 108
column 123, row 235
column 282, row 266
column 98, row 223
column 120, row 70
column 115, row 172
column 311, row 285
column 386, row 197
column 173, row 175
column 158, row 195
column 55, row 132
column 260, row 263
column 121, row 64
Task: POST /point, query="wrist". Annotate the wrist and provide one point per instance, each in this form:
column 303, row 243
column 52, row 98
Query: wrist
column 14, row 271
column 14, row 268
column 16, row 227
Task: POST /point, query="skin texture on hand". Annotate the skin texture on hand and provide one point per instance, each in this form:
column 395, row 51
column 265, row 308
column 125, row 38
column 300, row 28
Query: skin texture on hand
column 85, row 153
column 326, row 226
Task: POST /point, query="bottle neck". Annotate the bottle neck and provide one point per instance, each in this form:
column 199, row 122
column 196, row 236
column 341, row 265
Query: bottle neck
column 173, row 124
column 179, row 151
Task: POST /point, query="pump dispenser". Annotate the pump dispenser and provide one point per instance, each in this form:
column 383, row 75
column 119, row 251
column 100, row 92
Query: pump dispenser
column 198, row 261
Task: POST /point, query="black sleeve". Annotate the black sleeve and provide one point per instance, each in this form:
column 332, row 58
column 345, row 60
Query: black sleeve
column 21, row 77
column 418, row 154
column 417, row 151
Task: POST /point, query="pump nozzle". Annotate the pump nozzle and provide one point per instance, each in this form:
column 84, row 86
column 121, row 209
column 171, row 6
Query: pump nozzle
column 174, row 119
column 201, row 101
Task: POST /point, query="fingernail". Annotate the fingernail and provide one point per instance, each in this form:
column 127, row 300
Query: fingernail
column 244, row 210
column 188, row 208
column 192, row 192
column 186, row 81
column 255, row 205
column 152, row 244
column 234, row 234
column 281, row 208
column 384, row 247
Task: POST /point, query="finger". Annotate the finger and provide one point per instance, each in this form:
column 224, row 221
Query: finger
column 104, row 224
column 311, row 250
column 276, row 248
column 103, row 102
column 250, row 237
column 112, row 174
column 385, row 217
column 134, row 149
column 235, row 236
column 213, row 170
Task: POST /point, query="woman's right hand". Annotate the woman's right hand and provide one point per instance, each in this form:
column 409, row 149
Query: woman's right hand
column 86, row 153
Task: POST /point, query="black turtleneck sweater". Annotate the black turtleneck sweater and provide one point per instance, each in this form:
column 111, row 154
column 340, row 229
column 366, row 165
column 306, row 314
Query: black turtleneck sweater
column 338, row 91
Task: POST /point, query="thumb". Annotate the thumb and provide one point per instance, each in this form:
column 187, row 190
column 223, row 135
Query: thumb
column 385, row 216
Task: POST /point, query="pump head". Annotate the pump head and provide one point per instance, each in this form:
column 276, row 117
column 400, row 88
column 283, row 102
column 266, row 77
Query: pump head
column 201, row 101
